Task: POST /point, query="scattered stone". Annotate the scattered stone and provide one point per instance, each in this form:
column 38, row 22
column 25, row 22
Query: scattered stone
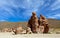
column 6, row 30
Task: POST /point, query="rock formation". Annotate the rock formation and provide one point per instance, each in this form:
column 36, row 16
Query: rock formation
column 28, row 31
column 18, row 30
column 44, row 22
column 33, row 23
column 38, row 25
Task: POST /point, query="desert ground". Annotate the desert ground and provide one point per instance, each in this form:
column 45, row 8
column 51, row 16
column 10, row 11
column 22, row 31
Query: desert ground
column 9, row 35
column 54, row 33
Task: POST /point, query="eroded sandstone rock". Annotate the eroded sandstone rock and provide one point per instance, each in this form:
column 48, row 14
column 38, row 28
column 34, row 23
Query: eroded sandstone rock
column 38, row 25
column 18, row 30
column 44, row 22
column 33, row 23
column 28, row 30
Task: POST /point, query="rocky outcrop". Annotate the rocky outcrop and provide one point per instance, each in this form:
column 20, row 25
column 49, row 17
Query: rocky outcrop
column 38, row 25
column 44, row 22
column 33, row 23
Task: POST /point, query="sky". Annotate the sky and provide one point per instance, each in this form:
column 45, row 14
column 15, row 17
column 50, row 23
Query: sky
column 21, row 10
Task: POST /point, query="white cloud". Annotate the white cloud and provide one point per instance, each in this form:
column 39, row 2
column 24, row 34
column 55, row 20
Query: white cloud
column 55, row 16
column 55, row 5
column 2, row 20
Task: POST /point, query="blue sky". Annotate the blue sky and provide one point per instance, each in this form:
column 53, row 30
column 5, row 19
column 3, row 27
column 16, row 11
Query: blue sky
column 21, row 10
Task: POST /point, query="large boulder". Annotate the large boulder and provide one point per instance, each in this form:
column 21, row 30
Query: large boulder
column 19, row 30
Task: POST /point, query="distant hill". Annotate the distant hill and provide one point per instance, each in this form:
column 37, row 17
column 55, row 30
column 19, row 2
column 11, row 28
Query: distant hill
column 12, row 24
column 52, row 23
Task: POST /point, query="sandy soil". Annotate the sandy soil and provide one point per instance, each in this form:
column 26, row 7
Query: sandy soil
column 10, row 35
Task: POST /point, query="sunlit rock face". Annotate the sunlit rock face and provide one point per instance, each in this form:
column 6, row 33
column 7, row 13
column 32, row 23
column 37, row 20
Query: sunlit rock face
column 18, row 30
column 28, row 30
column 44, row 22
column 33, row 23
